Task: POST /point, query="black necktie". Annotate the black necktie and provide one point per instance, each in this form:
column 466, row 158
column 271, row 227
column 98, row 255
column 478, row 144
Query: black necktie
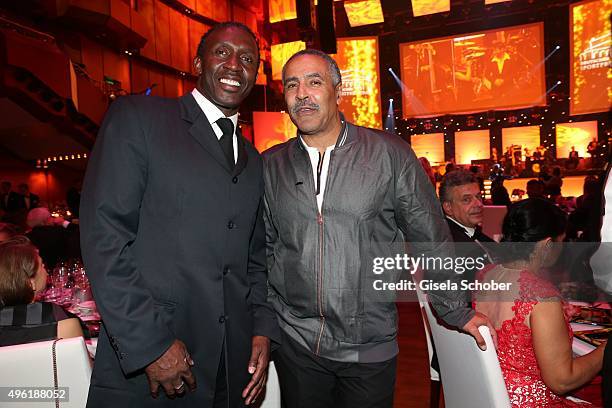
column 227, row 140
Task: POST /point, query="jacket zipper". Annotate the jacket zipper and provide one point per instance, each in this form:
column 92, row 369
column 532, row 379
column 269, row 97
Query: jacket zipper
column 320, row 283
column 320, row 275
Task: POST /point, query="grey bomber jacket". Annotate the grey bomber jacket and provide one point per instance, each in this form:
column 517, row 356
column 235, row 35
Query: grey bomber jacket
column 319, row 264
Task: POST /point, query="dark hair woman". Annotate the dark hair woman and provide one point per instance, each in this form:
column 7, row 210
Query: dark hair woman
column 531, row 319
column 22, row 319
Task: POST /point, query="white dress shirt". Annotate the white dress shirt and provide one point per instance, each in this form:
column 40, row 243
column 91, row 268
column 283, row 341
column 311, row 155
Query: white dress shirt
column 468, row 230
column 315, row 161
column 213, row 114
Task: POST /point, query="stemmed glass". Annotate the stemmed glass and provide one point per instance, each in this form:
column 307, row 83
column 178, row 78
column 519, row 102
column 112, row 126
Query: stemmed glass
column 62, row 283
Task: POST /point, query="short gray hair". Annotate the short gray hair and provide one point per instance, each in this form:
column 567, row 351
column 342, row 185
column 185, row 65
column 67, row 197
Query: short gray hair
column 334, row 71
column 455, row 178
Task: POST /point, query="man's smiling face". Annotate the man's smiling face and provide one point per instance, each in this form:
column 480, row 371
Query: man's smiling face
column 310, row 94
column 227, row 68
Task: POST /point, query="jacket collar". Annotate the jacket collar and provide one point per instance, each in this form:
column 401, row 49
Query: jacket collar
column 202, row 131
column 348, row 134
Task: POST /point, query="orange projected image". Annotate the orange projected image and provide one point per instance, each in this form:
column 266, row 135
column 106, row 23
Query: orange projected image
column 495, row 69
column 591, row 77
column 281, row 10
column 424, row 7
column 281, row 53
column 363, row 12
column 524, row 137
column 430, row 146
column 471, row 145
column 577, row 134
column 357, row 59
column 495, row 1
column 271, row 128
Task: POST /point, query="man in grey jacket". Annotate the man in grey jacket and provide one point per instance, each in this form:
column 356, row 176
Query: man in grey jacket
column 337, row 196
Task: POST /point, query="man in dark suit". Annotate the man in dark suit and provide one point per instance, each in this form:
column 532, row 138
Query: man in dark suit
column 573, row 159
column 461, row 200
column 23, row 199
column 174, row 242
column 55, row 238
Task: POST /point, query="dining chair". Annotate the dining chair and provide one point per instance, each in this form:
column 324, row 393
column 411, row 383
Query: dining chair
column 60, row 363
column 470, row 377
column 434, row 376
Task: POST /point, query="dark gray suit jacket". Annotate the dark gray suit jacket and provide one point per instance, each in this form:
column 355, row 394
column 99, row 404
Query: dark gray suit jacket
column 174, row 246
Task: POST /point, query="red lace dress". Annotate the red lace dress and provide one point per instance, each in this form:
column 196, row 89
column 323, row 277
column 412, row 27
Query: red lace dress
column 517, row 359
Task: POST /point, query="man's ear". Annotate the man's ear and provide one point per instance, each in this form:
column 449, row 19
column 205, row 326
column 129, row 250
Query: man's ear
column 338, row 91
column 197, row 65
column 448, row 208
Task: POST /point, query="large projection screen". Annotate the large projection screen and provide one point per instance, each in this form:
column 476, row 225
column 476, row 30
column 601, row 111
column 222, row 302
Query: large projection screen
column 577, row 134
column 472, row 145
column 281, row 10
column 281, row 53
column 357, row 59
column 494, row 69
column 363, row 12
column 425, row 7
column 590, row 42
column 271, row 128
column 430, row 146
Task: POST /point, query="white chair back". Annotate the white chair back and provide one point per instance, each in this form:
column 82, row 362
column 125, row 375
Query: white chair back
column 470, row 377
column 433, row 374
column 272, row 399
column 31, row 365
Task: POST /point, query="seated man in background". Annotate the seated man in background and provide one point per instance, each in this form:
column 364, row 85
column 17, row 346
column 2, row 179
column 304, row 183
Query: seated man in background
column 461, row 201
column 55, row 238
column 535, row 189
column 22, row 277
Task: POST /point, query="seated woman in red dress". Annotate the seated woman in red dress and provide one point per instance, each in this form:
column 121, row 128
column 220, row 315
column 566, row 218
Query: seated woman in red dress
column 22, row 277
column 531, row 319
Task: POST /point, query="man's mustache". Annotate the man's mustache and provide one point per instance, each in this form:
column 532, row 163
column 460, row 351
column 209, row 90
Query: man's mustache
column 304, row 104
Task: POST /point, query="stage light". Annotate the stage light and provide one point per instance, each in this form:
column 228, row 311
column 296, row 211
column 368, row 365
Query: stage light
column 390, row 121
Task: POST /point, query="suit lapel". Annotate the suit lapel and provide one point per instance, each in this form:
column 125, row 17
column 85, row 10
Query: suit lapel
column 201, row 130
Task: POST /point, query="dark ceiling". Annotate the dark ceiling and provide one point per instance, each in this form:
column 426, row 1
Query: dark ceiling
column 26, row 138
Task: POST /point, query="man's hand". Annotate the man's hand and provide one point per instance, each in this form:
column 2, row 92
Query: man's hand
column 471, row 328
column 171, row 371
column 258, row 367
